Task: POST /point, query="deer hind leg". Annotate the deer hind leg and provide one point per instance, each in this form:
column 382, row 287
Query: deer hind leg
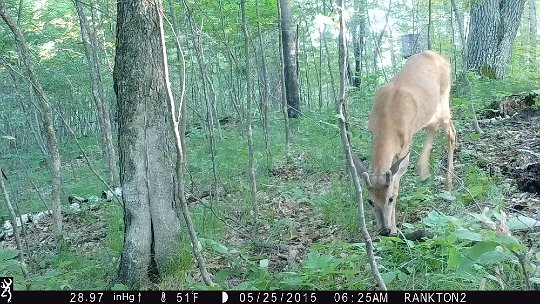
column 423, row 161
column 451, row 134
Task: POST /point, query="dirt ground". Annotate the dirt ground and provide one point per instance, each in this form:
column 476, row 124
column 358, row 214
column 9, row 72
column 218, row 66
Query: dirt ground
column 509, row 146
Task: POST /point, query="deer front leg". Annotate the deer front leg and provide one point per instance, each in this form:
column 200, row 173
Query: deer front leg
column 423, row 161
column 393, row 227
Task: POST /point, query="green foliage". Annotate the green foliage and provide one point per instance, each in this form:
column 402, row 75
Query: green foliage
column 10, row 266
column 461, row 253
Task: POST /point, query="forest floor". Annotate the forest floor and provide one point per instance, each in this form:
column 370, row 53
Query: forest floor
column 509, row 148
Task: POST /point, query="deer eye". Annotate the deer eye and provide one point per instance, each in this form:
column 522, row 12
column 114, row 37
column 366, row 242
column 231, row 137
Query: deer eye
column 391, row 200
column 370, row 202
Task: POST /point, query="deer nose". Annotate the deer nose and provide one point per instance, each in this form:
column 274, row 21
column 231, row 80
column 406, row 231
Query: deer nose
column 384, row 231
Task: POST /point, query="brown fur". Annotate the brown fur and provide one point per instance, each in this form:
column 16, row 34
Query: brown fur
column 416, row 97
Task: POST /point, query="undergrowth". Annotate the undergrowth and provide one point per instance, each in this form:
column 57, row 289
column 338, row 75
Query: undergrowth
column 463, row 253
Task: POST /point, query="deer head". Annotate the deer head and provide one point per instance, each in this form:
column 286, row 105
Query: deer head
column 416, row 97
column 383, row 192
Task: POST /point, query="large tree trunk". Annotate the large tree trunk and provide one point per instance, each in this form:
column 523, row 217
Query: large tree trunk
column 98, row 94
column 493, row 28
column 152, row 228
column 289, row 59
column 47, row 118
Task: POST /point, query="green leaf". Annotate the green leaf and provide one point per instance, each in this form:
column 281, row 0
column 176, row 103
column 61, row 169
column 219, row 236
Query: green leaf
column 476, row 190
column 509, row 242
column 473, row 136
column 222, row 275
column 481, row 248
column 454, row 258
column 321, row 262
column 492, row 257
column 445, row 195
column 390, row 276
column 294, row 280
column 465, row 234
column 472, row 255
column 521, row 222
column 216, row 246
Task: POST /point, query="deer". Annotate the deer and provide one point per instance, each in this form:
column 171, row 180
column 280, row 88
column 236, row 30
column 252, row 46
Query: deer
column 417, row 97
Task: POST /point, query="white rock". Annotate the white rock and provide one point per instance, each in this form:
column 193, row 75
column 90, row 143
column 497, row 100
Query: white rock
column 93, row 199
column 75, row 207
column 118, row 191
column 7, row 225
column 41, row 215
column 26, row 218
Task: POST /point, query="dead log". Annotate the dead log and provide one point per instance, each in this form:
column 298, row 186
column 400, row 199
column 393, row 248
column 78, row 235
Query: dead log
column 76, row 199
column 510, row 105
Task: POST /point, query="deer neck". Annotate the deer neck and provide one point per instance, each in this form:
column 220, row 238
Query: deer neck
column 384, row 151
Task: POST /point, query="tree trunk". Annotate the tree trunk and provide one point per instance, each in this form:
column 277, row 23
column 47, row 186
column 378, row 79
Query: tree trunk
column 533, row 35
column 12, row 216
column 328, row 63
column 283, row 90
column 358, row 30
column 98, row 94
column 47, row 118
column 289, row 59
column 462, row 39
column 264, row 93
column 251, row 151
column 152, row 228
column 493, row 28
column 181, row 72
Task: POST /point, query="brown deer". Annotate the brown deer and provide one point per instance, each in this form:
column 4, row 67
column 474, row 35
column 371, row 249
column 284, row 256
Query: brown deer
column 416, row 97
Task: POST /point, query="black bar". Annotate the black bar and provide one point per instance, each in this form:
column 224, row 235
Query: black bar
column 247, row 297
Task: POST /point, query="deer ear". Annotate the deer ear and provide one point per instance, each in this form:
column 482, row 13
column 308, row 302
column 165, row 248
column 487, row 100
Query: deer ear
column 366, row 178
column 400, row 166
column 361, row 169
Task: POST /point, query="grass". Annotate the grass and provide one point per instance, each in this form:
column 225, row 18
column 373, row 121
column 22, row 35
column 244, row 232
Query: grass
column 314, row 176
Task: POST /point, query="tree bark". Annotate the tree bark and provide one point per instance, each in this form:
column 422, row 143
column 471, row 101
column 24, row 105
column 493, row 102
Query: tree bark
column 358, row 30
column 47, row 118
column 251, row 150
column 98, row 94
column 462, row 39
column 12, row 216
column 264, row 89
column 533, row 35
column 463, row 81
column 289, row 59
column 152, row 228
column 284, row 107
column 493, row 28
